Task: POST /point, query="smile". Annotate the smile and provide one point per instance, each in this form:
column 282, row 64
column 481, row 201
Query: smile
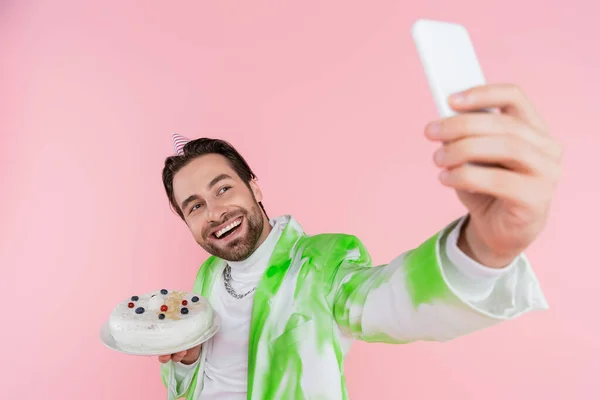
column 229, row 229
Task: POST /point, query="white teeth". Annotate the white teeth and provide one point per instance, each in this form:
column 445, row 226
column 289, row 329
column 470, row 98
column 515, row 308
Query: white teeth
column 228, row 228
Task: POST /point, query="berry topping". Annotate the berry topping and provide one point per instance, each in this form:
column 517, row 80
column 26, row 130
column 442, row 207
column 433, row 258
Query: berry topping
column 184, row 302
column 164, row 291
column 139, row 310
column 130, row 305
column 163, row 308
column 161, row 316
column 134, row 298
column 195, row 299
column 184, row 310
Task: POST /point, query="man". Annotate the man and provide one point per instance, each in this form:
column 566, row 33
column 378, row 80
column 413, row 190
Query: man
column 292, row 303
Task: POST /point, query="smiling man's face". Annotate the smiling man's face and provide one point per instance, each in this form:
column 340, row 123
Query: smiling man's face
column 221, row 211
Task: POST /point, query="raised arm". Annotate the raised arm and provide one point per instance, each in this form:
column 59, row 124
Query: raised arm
column 432, row 292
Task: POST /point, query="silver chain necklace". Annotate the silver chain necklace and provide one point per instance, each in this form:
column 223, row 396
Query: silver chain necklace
column 227, row 281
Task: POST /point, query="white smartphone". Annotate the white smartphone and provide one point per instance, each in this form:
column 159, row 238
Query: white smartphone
column 448, row 58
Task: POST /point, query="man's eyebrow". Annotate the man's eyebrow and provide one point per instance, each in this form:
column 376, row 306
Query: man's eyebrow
column 217, row 179
column 187, row 201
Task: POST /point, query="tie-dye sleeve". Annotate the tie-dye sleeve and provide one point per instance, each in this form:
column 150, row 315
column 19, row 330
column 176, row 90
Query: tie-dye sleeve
column 178, row 379
column 423, row 295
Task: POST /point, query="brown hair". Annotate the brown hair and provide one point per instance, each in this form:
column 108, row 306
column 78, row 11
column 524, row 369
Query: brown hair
column 199, row 147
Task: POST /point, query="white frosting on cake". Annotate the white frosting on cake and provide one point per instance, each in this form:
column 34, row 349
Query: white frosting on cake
column 146, row 331
column 155, row 303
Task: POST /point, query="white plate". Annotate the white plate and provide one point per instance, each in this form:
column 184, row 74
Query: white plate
column 109, row 341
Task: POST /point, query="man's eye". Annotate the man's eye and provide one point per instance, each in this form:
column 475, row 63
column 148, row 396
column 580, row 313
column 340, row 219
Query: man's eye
column 196, row 206
column 224, row 189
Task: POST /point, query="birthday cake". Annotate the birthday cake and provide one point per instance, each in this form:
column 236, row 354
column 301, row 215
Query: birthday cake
column 160, row 320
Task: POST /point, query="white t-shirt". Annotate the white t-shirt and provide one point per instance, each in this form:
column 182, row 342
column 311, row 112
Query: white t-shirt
column 226, row 368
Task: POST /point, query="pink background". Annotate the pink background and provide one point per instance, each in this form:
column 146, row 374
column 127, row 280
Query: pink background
column 327, row 100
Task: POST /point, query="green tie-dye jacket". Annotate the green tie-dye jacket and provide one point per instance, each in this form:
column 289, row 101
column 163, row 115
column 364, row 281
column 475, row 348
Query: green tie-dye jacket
column 321, row 292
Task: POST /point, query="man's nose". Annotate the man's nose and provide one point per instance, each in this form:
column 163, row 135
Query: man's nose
column 215, row 211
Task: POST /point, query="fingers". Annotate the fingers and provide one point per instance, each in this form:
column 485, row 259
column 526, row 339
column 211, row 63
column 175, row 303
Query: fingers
column 509, row 98
column 501, row 183
column 507, row 151
column 508, row 155
column 498, row 125
column 176, row 357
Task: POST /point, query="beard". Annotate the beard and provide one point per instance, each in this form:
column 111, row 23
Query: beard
column 242, row 246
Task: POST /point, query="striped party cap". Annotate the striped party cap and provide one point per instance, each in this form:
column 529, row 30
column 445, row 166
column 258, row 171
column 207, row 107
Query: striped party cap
column 178, row 143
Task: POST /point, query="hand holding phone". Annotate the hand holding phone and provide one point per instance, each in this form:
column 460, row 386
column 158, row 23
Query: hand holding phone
column 504, row 165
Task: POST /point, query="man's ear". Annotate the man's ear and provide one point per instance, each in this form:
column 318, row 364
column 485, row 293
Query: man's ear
column 256, row 190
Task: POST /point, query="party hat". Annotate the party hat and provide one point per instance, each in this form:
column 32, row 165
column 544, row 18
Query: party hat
column 178, row 143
